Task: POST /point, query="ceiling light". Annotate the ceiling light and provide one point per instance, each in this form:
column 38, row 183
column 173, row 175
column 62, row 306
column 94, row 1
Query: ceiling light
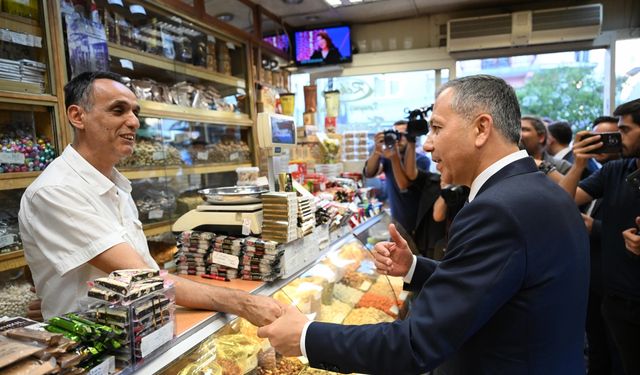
column 355, row 1
column 292, row 2
column 225, row 17
column 311, row 18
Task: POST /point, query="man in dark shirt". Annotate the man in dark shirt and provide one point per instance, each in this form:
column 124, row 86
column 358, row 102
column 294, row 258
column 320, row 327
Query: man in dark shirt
column 620, row 218
column 404, row 207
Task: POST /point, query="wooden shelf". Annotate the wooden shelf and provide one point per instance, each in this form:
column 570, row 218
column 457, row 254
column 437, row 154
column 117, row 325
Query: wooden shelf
column 155, row 109
column 173, row 66
column 154, row 229
column 12, row 260
column 27, row 98
column 19, row 24
column 17, row 180
column 172, row 171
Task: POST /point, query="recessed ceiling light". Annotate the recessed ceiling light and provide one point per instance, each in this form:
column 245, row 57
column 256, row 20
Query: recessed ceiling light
column 334, row 3
column 225, row 17
column 311, row 18
column 292, row 2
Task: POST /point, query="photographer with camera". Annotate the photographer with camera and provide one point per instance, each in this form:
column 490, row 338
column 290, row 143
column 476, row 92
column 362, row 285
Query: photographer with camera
column 618, row 186
column 389, row 154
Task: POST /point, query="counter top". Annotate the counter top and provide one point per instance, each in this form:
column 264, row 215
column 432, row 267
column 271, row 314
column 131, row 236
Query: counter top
column 188, row 318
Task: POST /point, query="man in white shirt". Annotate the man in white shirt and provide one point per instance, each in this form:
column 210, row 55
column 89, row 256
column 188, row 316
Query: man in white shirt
column 78, row 220
column 509, row 296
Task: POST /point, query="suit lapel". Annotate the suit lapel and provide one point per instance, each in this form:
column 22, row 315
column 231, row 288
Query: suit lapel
column 520, row 166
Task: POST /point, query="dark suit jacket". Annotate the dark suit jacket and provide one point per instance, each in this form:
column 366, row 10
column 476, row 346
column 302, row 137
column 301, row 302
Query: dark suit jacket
column 427, row 232
column 509, row 297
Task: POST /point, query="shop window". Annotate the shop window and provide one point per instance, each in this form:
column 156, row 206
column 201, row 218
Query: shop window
column 627, row 70
column 560, row 86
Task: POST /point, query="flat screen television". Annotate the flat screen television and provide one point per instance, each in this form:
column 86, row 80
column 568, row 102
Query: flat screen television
column 323, row 46
column 280, row 41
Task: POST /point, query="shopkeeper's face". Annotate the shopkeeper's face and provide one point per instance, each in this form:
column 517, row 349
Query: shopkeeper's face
column 451, row 141
column 110, row 124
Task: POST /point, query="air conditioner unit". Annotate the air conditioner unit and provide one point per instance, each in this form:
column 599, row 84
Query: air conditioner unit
column 525, row 28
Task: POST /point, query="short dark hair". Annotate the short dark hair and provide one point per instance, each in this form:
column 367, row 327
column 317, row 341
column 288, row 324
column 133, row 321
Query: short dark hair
column 400, row 122
column 561, row 131
column 601, row 119
column 629, row 108
column 475, row 94
column 538, row 125
column 79, row 90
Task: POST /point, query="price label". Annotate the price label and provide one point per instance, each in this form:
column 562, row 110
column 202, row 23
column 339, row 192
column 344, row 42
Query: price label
column 156, row 214
column 126, row 64
column 203, row 155
column 246, row 226
column 231, row 46
column 37, row 41
column 5, row 35
column 156, row 339
column 223, row 259
column 11, row 158
column 234, row 156
column 394, row 310
column 7, row 239
column 108, row 366
column 159, row 155
column 403, row 295
column 211, row 39
column 323, row 187
column 365, row 285
column 19, row 38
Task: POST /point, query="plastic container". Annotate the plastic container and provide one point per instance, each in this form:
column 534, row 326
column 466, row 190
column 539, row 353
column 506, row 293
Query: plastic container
column 247, row 175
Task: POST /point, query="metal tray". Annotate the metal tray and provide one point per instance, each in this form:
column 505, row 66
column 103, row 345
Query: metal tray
column 233, row 194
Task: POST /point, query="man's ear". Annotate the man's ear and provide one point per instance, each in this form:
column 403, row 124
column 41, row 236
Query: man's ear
column 483, row 126
column 75, row 114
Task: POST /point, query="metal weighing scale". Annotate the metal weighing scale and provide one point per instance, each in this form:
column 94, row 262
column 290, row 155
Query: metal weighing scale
column 233, row 210
column 237, row 210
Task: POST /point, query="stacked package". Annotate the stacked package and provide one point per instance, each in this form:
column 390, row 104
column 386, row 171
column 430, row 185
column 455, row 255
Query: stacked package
column 306, row 216
column 26, row 348
column 138, row 303
column 227, row 245
column 261, row 260
column 10, row 70
column 280, row 217
column 193, row 251
column 33, row 72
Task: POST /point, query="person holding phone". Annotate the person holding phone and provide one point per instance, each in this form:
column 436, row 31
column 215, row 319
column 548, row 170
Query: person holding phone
column 620, row 241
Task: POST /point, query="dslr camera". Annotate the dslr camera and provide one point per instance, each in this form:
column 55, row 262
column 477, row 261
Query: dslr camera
column 417, row 125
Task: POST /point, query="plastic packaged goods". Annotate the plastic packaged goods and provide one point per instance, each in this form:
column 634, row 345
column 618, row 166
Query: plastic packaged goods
column 247, row 175
column 12, row 351
column 240, row 349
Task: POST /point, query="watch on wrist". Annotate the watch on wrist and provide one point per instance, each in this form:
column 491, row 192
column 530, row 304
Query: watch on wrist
column 545, row 167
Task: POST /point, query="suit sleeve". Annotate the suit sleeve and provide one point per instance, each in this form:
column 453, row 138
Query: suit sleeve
column 483, row 269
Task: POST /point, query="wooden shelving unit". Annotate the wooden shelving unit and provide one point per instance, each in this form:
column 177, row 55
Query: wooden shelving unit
column 12, row 260
column 155, row 109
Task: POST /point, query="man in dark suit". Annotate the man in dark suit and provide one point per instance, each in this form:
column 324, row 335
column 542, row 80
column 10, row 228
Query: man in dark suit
column 510, row 295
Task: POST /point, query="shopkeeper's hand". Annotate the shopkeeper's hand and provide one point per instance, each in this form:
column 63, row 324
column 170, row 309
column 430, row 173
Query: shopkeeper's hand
column 34, row 308
column 284, row 334
column 393, row 258
column 261, row 310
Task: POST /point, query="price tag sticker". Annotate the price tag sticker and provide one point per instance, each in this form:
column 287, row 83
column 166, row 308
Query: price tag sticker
column 37, row 41
column 108, row 366
column 234, row 156
column 11, row 158
column 246, row 226
column 19, row 38
column 403, row 295
column 154, row 340
column 231, row 46
column 159, row 155
column 365, row 285
column 156, row 214
column 204, row 155
column 126, row 64
column 227, row 260
column 7, row 239
column 394, row 310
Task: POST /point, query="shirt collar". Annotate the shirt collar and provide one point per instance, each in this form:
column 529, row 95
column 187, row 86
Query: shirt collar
column 493, row 169
column 91, row 175
column 562, row 153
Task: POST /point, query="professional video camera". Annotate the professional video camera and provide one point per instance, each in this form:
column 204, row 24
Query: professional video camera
column 417, row 125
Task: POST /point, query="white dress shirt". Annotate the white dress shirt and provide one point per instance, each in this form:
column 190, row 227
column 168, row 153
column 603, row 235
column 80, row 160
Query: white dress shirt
column 68, row 215
column 477, row 183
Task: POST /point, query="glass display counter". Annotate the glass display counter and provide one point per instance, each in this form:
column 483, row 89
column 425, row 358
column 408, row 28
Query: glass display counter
column 341, row 287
